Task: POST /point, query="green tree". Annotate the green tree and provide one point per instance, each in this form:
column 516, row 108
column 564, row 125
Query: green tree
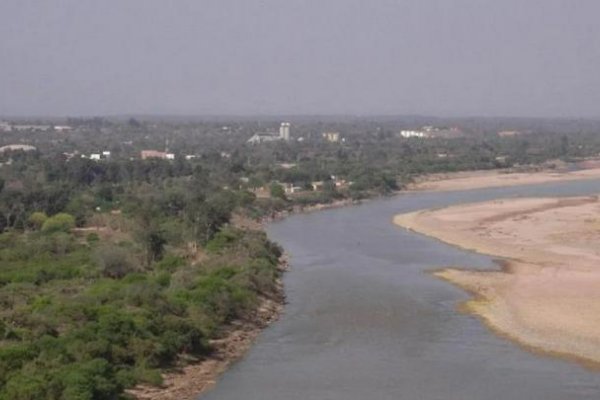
column 61, row 222
column 37, row 220
column 114, row 262
column 277, row 191
column 149, row 234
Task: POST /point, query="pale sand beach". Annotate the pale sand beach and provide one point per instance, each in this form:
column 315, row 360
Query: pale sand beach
column 497, row 178
column 547, row 295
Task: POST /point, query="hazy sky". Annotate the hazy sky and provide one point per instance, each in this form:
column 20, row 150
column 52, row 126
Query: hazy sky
column 445, row 57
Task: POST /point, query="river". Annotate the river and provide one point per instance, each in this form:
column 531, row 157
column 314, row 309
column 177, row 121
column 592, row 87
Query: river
column 365, row 321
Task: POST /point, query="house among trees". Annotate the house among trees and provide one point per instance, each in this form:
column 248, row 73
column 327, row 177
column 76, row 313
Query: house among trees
column 63, row 128
column 17, row 147
column 332, row 137
column 33, row 128
column 146, row 154
column 263, row 137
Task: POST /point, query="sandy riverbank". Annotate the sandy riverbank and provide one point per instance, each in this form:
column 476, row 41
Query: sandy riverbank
column 497, row 178
column 547, row 295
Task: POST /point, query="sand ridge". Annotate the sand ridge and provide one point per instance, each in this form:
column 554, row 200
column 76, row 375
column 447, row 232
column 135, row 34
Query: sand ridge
column 547, row 295
column 498, row 178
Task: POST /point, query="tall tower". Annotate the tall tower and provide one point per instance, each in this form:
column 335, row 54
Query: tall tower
column 284, row 131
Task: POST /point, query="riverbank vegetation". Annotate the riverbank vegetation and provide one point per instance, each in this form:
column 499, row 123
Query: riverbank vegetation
column 106, row 281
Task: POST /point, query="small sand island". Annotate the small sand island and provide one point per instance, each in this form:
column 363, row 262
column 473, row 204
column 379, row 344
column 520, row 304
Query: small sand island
column 547, row 294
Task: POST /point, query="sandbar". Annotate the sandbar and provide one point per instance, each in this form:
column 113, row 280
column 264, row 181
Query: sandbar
column 546, row 296
column 497, row 178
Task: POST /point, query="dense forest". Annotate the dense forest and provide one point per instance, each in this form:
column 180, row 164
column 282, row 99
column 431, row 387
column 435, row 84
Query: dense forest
column 113, row 267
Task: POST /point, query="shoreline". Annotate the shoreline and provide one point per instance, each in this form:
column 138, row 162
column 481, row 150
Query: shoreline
column 465, row 307
column 469, row 180
column 280, row 215
column 539, row 297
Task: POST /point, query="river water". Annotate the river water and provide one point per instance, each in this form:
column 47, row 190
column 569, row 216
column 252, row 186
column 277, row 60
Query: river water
column 364, row 320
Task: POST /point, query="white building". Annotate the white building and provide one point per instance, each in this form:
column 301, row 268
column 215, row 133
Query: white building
column 332, row 137
column 95, row 156
column 17, row 147
column 409, row 134
column 263, row 138
column 146, row 154
column 41, row 128
column 284, row 131
column 289, row 188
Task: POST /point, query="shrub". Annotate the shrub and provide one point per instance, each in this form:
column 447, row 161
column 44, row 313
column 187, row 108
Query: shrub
column 61, row 222
column 26, row 386
column 163, row 279
column 114, row 262
column 277, row 191
column 170, row 263
column 92, row 238
column 222, row 240
column 149, row 376
column 61, row 243
column 92, row 379
column 222, row 299
column 37, row 220
column 12, row 358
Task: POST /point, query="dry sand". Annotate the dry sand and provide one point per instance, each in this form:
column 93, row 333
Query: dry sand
column 498, row 178
column 547, row 295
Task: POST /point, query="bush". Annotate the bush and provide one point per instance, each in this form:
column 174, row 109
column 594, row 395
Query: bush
column 61, row 222
column 222, row 240
column 114, row 262
column 277, row 191
column 222, row 299
column 170, row 263
column 37, row 220
column 26, row 386
column 92, row 238
column 61, row 243
column 93, row 379
column 12, row 358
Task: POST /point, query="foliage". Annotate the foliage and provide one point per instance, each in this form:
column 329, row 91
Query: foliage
column 114, row 262
column 222, row 240
column 37, row 220
column 277, row 191
column 61, row 222
column 90, row 323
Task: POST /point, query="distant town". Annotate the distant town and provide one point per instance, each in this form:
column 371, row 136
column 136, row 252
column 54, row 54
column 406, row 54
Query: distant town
column 284, row 133
column 303, row 156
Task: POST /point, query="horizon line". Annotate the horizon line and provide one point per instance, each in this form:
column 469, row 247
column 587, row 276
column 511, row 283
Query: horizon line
column 257, row 116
